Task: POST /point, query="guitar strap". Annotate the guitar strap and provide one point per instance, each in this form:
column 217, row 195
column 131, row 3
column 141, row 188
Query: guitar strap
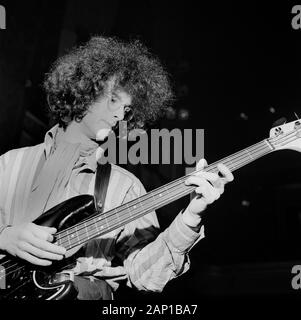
column 103, row 172
column 99, row 287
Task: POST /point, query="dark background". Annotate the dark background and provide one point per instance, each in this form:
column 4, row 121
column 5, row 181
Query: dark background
column 236, row 69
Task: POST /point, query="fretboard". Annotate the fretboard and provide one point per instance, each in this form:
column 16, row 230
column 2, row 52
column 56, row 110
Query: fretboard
column 103, row 223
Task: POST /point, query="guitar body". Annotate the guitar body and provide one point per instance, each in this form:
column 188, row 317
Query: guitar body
column 30, row 283
column 25, row 281
column 21, row 280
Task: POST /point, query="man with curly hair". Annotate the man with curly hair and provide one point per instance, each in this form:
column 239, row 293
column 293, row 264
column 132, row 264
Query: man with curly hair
column 89, row 91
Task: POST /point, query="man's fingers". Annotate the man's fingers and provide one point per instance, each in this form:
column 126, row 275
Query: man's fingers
column 210, row 176
column 209, row 185
column 32, row 259
column 194, row 180
column 204, row 188
column 47, row 246
column 40, row 253
column 226, row 173
column 44, row 233
column 51, row 230
column 201, row 164
column 209, row 193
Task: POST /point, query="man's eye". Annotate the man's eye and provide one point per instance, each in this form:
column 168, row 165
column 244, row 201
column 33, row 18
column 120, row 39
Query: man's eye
column 113, row 100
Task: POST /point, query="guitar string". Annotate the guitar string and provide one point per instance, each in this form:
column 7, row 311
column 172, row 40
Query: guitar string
column 242, row 164
column 106, row 217
column 176, row 194
column 148, row 196
column 188, row 190
column 133, row 216
column 163, row 201
column 283, row 138
column 21, row 267
column 10, row 271
column 279, row 140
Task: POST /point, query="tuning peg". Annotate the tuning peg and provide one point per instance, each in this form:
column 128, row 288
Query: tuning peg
column 279, row 122
column 243, row 116
column 297, row 125
column 272, row 109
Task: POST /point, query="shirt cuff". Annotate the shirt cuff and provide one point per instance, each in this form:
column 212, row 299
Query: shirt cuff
column 181, row 237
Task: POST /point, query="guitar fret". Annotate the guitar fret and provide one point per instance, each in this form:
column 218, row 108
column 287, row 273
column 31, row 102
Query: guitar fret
column 68, row 238
column 152, row 194
column 250, row 155
column 99, row 220
column 76, row 231
column 166, row 191
column 161, row 196
column 58, row 242
column 96, row 225
column 214, row 166
column 269, row 144
column 87, row 233
column 128, row 209
column 117, row 214
column 143, row 209
column 106, row 221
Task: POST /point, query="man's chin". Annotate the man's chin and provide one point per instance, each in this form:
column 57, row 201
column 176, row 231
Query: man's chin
column 102, row 134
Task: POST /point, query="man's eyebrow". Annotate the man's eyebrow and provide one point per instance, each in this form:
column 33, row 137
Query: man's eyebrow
column 116, row 95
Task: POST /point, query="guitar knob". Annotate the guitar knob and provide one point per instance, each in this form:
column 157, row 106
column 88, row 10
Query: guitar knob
column 297, row 124
column 278, row 131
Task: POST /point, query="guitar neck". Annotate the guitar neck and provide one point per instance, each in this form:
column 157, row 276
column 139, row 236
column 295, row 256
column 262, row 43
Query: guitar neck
column 103, row 223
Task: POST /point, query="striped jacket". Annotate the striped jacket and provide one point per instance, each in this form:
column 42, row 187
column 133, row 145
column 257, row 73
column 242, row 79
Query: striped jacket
column 146, row 258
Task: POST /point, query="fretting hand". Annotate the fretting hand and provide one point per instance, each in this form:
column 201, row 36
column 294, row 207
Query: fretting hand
column 209, row 187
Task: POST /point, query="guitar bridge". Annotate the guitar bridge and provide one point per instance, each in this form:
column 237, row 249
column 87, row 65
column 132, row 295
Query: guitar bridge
column 62, row 277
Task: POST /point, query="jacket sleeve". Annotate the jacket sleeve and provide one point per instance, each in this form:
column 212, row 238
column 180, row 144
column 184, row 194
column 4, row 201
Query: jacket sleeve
column 151, row 258
column 3, row 217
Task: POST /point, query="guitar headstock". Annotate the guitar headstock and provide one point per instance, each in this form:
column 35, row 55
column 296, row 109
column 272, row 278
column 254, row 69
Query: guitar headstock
column 286, row 136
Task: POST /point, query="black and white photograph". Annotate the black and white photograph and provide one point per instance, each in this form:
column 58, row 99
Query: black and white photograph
column 150, row 156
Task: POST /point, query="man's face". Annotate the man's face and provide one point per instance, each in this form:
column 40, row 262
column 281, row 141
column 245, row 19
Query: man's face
column 105, row 113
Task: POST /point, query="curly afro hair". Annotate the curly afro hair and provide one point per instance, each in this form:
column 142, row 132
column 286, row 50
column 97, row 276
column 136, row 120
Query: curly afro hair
column 77, row 79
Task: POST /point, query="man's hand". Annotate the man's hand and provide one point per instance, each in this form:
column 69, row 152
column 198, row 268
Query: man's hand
column 209, row 187
column 32, row 243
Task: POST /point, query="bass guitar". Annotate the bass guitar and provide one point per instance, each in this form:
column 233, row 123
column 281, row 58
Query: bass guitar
column 77, row 222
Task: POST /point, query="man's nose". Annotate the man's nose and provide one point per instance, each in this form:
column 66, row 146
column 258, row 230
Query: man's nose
column 119, row 114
